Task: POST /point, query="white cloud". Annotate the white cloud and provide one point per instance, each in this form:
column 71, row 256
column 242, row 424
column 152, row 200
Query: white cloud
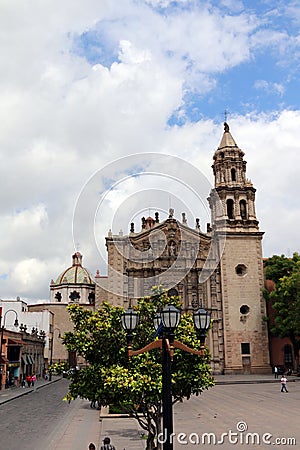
column 63, row 117
column 29, row 276
column 270, row 87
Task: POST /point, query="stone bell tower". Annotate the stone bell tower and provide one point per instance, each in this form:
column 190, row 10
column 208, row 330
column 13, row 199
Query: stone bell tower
column 241, row 267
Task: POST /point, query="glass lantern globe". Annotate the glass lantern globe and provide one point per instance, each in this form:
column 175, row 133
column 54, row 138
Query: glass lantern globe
column 170, row 317
column 130, row 320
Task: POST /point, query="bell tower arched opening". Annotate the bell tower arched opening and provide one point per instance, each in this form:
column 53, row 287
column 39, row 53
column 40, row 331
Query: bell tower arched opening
column 243, row 209
column 230, row 208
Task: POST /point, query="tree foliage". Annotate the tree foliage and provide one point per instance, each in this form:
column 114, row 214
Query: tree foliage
column 133, row 385
column 285, row 298
column 277, row 266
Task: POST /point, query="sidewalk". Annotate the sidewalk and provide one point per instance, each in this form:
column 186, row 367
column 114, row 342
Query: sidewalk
column 124, row 432
column 6, row 395
column 251, row 379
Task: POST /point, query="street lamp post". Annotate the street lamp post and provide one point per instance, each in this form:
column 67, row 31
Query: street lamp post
column 170, row 317
column 51, row 342
column 16, row 323
column 165, row 324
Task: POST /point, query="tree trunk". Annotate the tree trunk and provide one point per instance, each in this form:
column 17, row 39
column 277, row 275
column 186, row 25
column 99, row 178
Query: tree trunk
column 150, row 441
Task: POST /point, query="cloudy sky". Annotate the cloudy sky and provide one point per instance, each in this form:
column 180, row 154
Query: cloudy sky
column 84, row 84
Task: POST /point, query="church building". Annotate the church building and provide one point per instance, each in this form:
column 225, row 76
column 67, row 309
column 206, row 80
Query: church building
column 220, row 269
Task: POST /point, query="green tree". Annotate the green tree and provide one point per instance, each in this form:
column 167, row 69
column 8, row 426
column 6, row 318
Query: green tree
column 285, row 299
column 277, row 266
column 133, row 385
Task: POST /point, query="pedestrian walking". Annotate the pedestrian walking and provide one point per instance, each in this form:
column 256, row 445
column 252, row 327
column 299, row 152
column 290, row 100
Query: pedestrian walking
column 276, row 372
column 283, row 384
column 107, row 445
column 23, row 382
column 28, row 380
column 33, row 379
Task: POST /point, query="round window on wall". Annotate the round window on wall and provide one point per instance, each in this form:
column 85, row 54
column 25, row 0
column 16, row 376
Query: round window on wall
column 244, row 309
column 241, row 270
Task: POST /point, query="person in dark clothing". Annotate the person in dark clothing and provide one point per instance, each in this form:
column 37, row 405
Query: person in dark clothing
column 92, row 446
column 107, row 445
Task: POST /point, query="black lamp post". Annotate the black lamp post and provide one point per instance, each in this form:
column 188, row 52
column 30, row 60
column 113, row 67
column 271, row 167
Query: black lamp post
column 16, row 323
column 170, row 317
column 51, row 356
column 51, row 342
column 165, row 324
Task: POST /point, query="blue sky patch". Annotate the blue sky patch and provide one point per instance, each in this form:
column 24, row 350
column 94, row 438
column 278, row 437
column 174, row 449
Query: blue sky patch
column 96, row 48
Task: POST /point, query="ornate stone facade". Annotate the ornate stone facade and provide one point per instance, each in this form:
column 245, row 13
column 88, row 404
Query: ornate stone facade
column 220, row 269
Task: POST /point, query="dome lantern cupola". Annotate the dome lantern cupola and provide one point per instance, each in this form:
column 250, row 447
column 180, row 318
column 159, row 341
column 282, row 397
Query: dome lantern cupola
column 77, row 259
column 74, row 280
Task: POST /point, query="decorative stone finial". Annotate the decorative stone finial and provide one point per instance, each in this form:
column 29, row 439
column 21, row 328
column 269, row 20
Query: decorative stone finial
column 208, row 228
column 156, row 217
column 77, row 259
column 171, row 213
column 184, row 221
column 132, row 227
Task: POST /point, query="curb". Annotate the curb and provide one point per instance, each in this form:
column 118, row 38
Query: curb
column 222, row 383
column 27, row 391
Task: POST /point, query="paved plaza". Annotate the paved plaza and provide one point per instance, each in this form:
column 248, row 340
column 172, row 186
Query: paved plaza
column 254, row 413
column 246, row 414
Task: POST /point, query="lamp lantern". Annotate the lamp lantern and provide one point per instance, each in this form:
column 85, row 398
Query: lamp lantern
column 130, row 320
column 170, row 317
column 201, row 319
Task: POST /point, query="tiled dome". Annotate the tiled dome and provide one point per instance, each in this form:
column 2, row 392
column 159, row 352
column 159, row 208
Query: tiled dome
column 76, row 274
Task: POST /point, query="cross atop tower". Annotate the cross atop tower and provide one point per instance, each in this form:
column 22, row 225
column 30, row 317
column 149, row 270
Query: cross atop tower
column 226, row 115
